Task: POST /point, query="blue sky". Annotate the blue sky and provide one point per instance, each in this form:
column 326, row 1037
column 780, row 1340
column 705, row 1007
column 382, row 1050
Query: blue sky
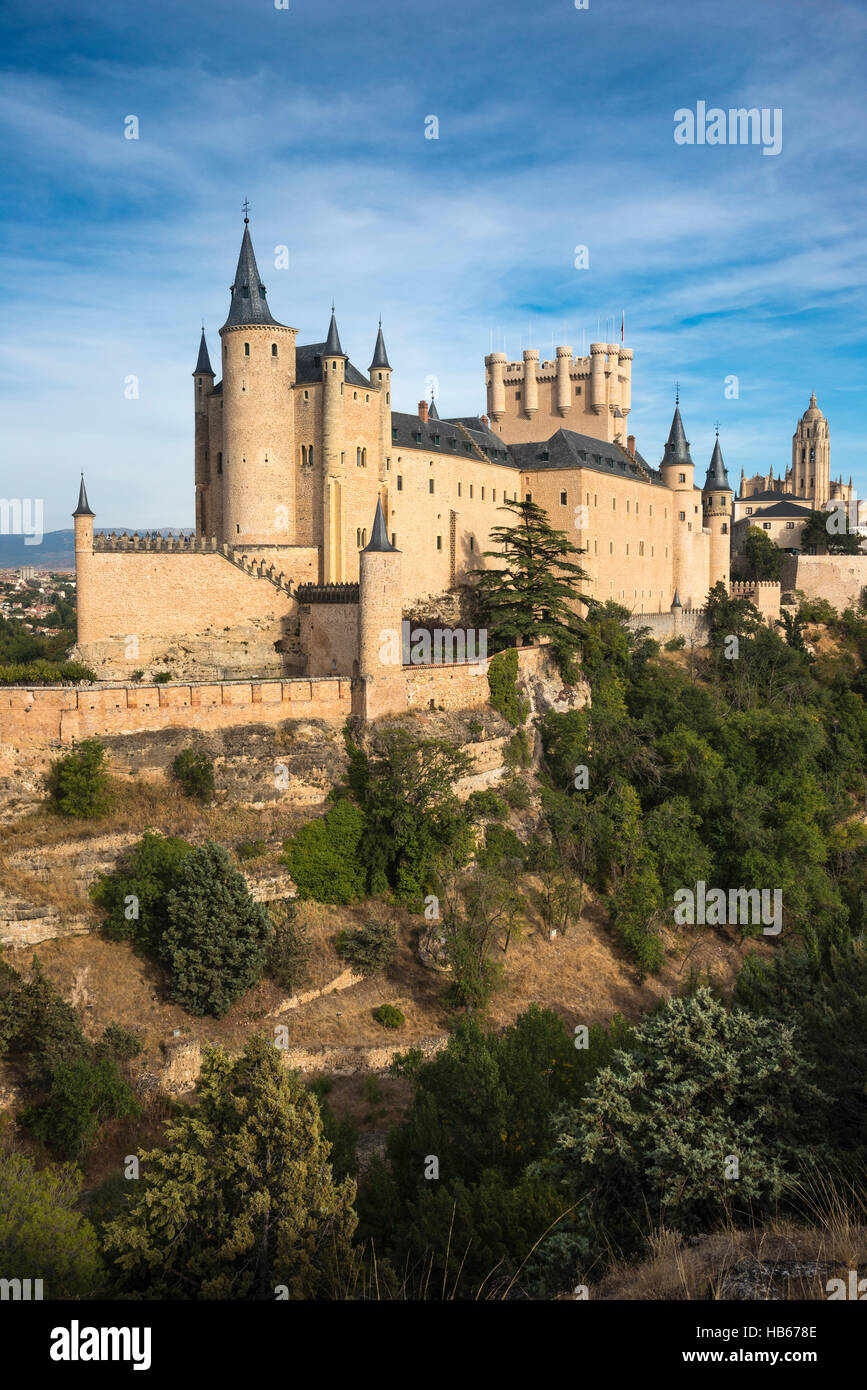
column 555, row 130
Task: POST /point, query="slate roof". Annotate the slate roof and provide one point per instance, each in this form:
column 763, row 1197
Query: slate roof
column 780, row 509
column 203, row 364
column 332, row 342
column 379, row 536
column 770, row 494
column 249, row 305
column 308, row 366
column 568, row 449
column 677, row 447
column 83, row 508
column 445, row 437
column 380, row 356
column 716, row 473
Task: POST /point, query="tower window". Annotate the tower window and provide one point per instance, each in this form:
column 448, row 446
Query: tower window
column 725, row 529
column 399, row 483
column 529, row 497
column 459, row 489
column 355, row 395
column 439, row 542
column 681, row 477
column 273, row 349
column 472, row 542
column 246, row 349
column 562, row 499
column 493, row 494
column 471, row 491
column 394, row 538
column 358, row 457
column 219, row 463
column 430, row 485
column 483, row 493
column 681, row 516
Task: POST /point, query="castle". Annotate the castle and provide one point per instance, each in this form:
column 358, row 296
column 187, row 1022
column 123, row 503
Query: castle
column 323, row 516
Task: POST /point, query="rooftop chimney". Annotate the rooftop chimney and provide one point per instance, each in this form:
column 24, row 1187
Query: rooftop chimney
column 630, row 444
column 422, row 411
column 486, row 422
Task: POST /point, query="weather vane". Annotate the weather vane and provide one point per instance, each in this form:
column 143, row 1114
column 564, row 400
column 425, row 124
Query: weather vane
column 246, row 210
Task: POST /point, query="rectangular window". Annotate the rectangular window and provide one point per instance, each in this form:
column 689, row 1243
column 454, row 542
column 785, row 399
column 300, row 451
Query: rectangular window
column 439, row 542
column 681, row 477
column 472, row 542
column 394, row 538
column 562, row 499
column 790, row 526
column 430, row 484
column 459, row 489
column 681, row 516
column 529, row 497
column 483, row 494
column 246, row 349
column 766, row 525
column 471, row 491
column 399, row 483
column 641, row 547
column 493, row 494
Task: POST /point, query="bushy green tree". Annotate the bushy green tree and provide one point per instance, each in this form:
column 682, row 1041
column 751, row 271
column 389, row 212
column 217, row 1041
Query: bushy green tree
column 240, row 1201
column 194, row 771
column 135, row 893
column 83, row 1093
column 704, row 1116
column 216, row 940
column 323, row 858
column 78, row 785
column 502, row 677
column 369, row 948
column 289, row 951
column 42, row 1235
column 533, row 590
column 763, row 559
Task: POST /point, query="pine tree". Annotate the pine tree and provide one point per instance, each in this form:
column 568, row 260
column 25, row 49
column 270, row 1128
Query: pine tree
column 241, row 1203
column 533, row 592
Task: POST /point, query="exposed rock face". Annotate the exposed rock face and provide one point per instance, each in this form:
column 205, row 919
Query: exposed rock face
column 539, row 682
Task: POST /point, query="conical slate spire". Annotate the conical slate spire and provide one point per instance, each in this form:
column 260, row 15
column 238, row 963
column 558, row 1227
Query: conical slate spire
column 203, row 365
column 332, row 342
column 716, row 473
column 379, row 536
column 433, row 413
column 675, row 602
column 249, row 305
column 677, row 448
column 380, row 356
column 83, row 508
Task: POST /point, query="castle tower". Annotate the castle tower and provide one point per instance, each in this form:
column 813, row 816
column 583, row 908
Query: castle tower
column 82, row 520
column 496, row 364
column 811, row 456
column 203, row 384
column 564, row 380
column 678, row 474
column 380, row 377
column 333, row 456
column 716, row 497
column 381, row 686
column 531, row 384
column 258, row 443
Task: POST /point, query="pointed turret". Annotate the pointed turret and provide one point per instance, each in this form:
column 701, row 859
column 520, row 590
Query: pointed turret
column 332, row 342
column 249, row 305
column 83, row 508
column 379, row 535
column 675, row 602
column 433, row 413
column 717, row 477
column 677, row 446
column 203, row 365
column 380, row 356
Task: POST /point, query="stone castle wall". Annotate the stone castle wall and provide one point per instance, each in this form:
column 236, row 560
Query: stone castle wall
column 841, row 579
column 67, row 714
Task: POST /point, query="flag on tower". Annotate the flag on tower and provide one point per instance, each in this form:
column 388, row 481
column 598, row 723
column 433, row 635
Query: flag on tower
column 622, row 324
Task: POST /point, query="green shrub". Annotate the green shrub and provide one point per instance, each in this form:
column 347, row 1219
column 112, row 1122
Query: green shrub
column 389, row 1016
column 216, row 940
column 675, row 644
column 517, row 752
column 288, row 956
column 500, row 844
column 135, row 894
column 119, row 1043
column 162, row 677
column 251, row 849
column 47, row 673
column 84, row 1092
column 370, row 948
column 78, row 784
column 137, row 675
column 517, row 793
column 486, row 805
column 195, row 773
column 817, row 610
column 475, row 727
column 567, row 662
column 42, row 1233
column 323, row 857
column 502, row 675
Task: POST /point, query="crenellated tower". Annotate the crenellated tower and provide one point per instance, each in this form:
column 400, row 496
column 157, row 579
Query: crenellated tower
column 258, row 435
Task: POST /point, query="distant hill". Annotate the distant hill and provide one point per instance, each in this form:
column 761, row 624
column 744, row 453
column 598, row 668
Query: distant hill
column 56, row 550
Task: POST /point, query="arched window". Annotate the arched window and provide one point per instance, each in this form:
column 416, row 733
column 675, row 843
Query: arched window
column 273, row 349
column 364, row 536
column 364, row 458
column 358, row 537
column 358, row 457
column 310, row 455
column 246, row 349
